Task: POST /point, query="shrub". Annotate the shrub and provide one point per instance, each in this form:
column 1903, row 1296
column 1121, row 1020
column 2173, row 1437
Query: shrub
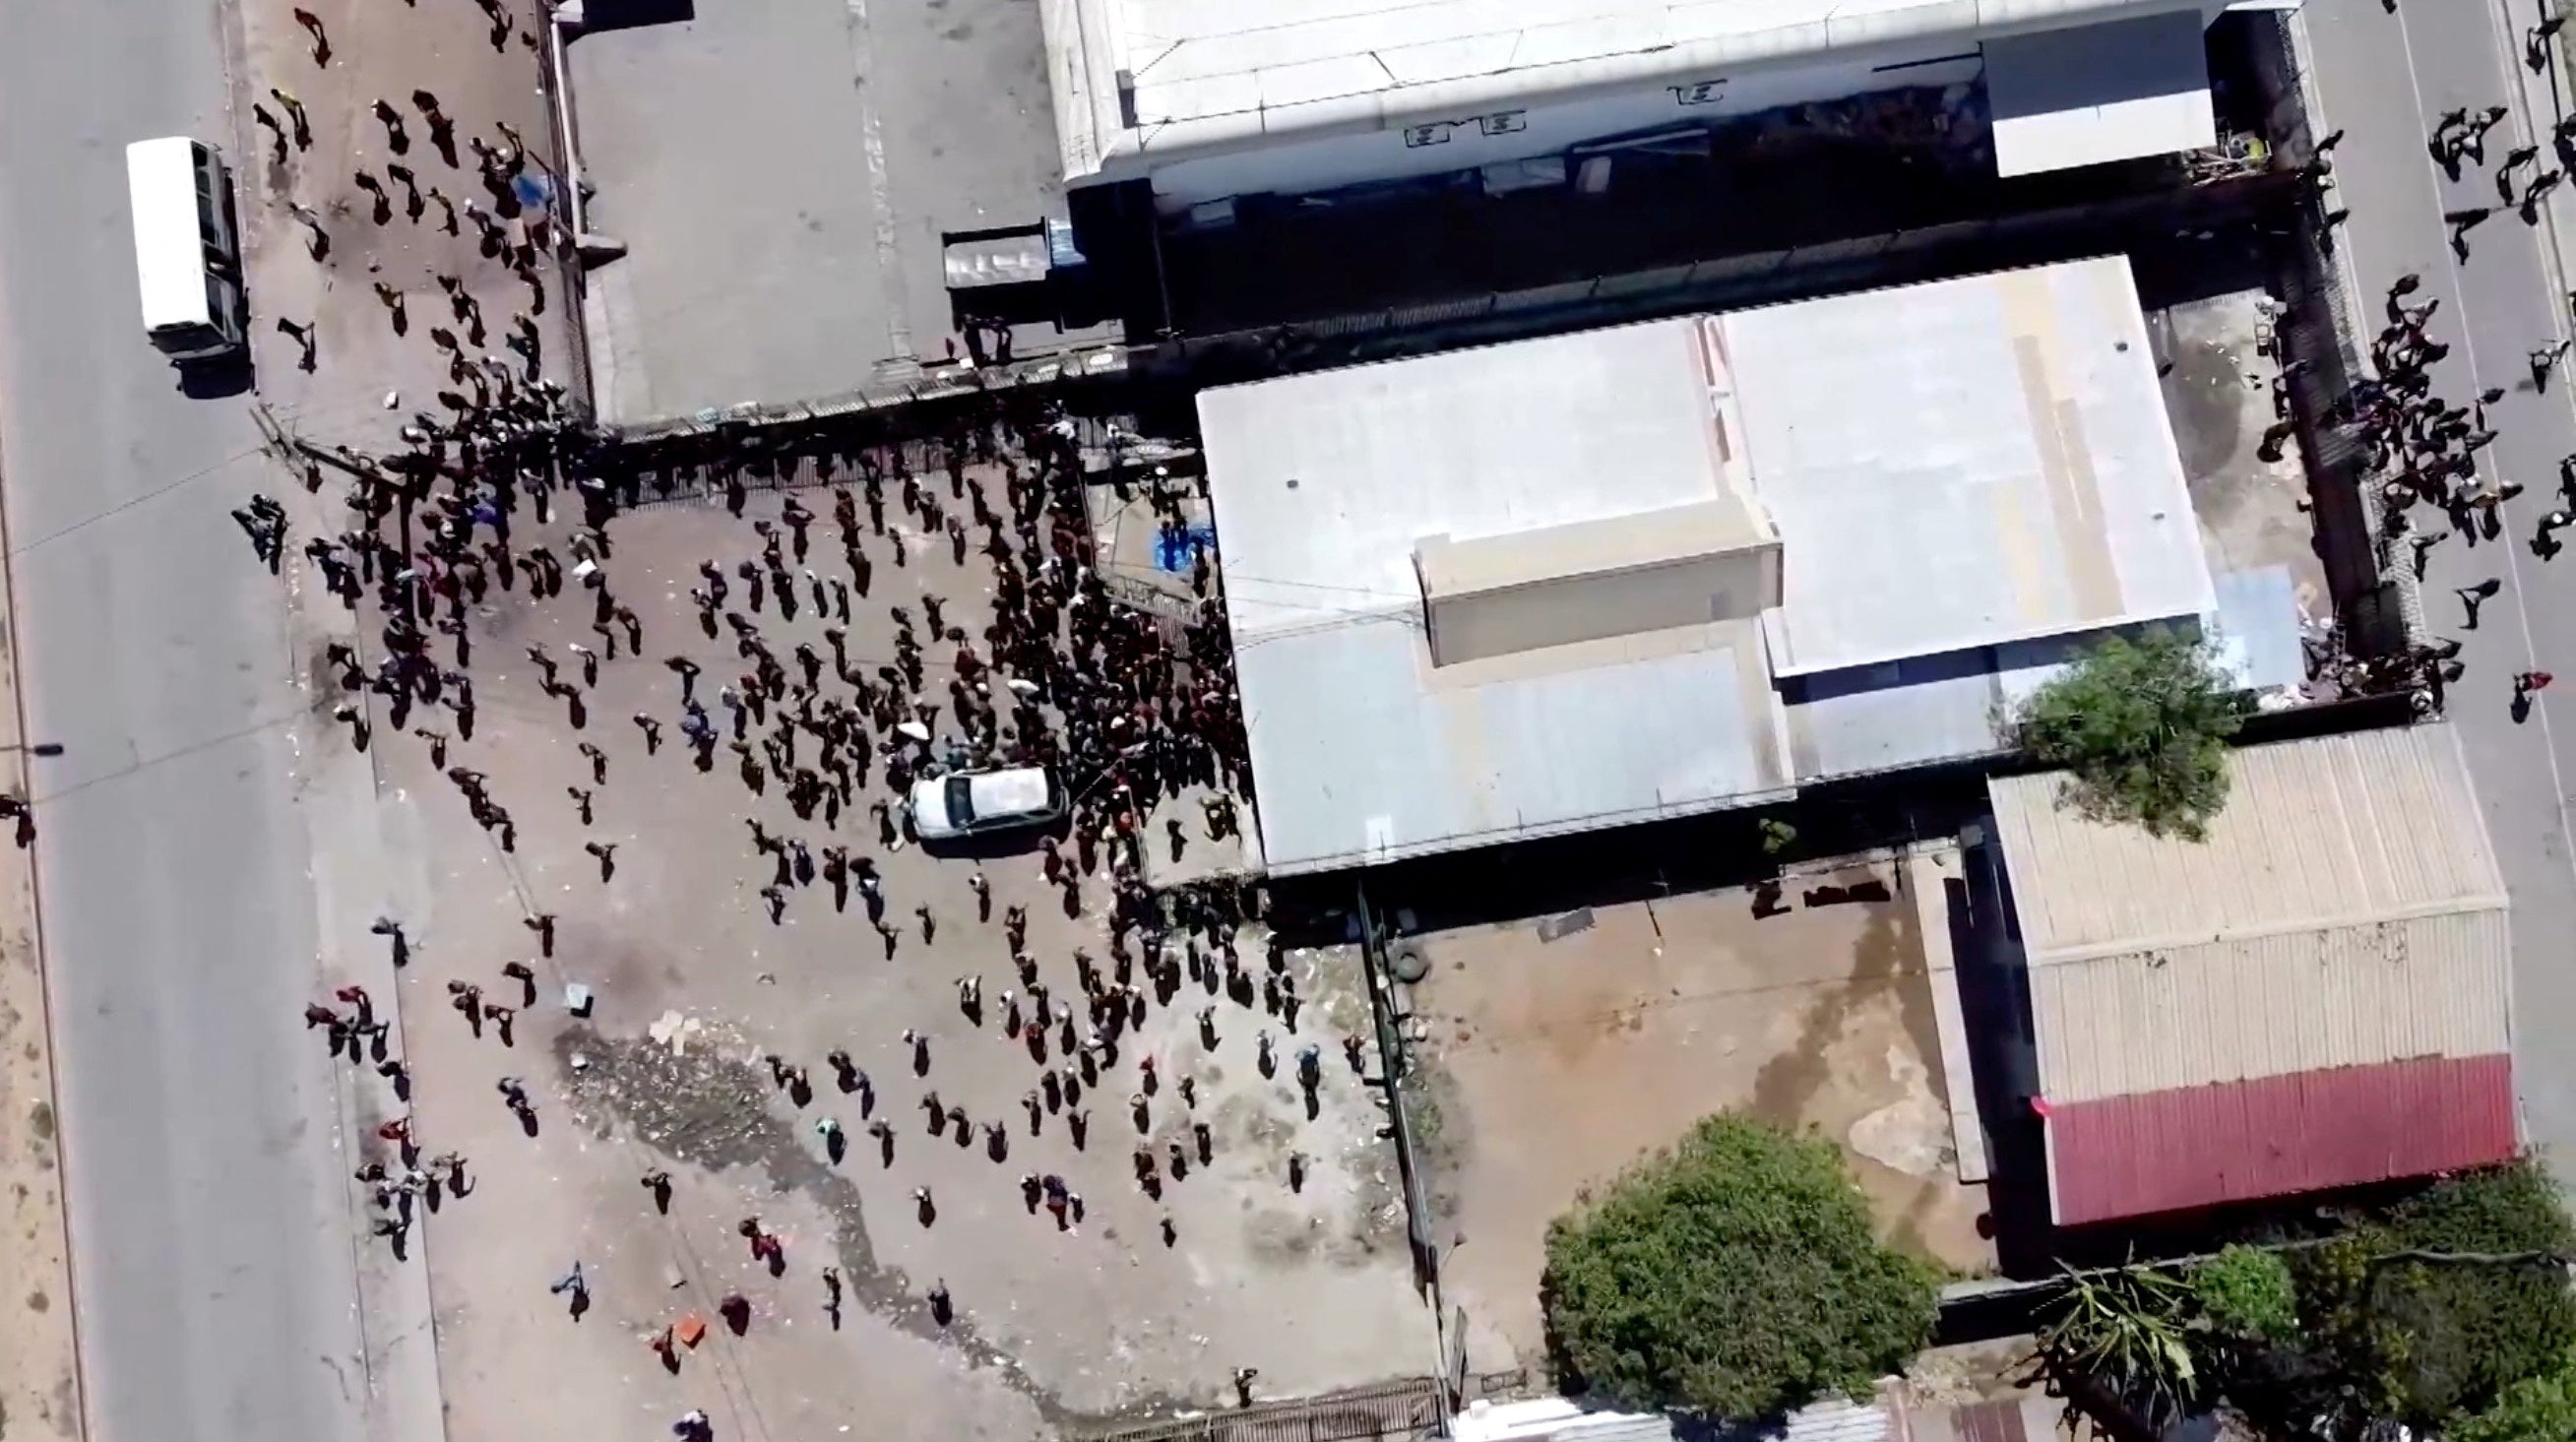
column 1735, row 1276
column 2246, row 1292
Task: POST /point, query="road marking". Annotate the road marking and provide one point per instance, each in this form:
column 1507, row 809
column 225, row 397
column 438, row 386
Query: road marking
column 2451, row 266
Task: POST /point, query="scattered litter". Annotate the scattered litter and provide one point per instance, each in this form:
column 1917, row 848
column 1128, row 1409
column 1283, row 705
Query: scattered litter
column 674, row 1031
column 1565, row 924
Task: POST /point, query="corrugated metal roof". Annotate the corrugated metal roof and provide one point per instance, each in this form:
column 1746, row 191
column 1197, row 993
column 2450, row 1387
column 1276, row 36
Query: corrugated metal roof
column 2346, row 910
column 1323, row 484
column 2370, row 826
column 1363, row 750
column 1324, row 487
column 2184, row 1016
column 1209, row 76
column 2311, row 1131
column 1362, row 753
column 1556, row 1419
column 1944, row 708
column 1964, row 463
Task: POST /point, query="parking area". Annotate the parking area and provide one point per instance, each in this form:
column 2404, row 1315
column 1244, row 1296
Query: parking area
column 781, row 171
column 1555, row 1051
column 1277, row 1243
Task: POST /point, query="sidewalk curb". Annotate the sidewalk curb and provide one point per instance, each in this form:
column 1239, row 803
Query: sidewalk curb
column 20, row 781
column 2347, row 298
column 383, row 1329
column 2533, row 97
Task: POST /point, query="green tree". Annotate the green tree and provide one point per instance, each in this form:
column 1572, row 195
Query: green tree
column 2247, row 1293
column 2144, row 726
column 2438, row 1308
column 2471, row 1329
column 1734, row 1276
column 2535, row 1409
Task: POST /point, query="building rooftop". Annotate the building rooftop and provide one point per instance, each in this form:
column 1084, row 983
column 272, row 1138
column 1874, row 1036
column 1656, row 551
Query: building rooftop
column 1195, row 77
column 2245, row 1016
column 1565, row 582
column 1964, row 463
column 1325, row 488
column 1326, row 483
column 1926, row 710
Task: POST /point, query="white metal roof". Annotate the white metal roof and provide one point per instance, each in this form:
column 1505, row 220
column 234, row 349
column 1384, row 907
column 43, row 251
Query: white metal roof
column 1207, row 76
column 2346, row 910
column 2115, row 91
column 1325, row 483
column 1967, row 463
column 161, row 180
column 1946, row 468
column 1323, row 486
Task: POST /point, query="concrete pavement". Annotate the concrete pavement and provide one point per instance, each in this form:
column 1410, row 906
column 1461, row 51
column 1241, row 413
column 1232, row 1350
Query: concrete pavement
column 39, row 1345
column 782, row 170
column 210, row 1210
column 2385, row 78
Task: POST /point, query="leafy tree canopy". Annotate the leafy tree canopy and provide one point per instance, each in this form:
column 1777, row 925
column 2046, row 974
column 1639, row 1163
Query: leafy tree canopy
column 1734, row 1276
column 2535, row 1409
column 2144, row 726
column 2472, row 1330
column 2247, row 1292
column 2448, row 1314
column 2435, row 1309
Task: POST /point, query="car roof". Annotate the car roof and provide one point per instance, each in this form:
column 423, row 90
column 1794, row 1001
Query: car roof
column 1002, row 793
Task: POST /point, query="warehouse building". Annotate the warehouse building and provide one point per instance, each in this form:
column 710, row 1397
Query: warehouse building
column 1655, row 570
column 2316, row 997
column 1210, row 99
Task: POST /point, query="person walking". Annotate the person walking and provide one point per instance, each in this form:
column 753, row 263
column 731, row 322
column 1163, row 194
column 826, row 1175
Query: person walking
column 312, row 24
column 2545, row 359
column 2475, row 596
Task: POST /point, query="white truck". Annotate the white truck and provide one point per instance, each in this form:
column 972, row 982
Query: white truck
column 187, row 250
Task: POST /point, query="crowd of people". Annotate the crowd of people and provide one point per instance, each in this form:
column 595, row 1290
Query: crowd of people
column 1127, row 709
column 501, row 489
column 2426, row 447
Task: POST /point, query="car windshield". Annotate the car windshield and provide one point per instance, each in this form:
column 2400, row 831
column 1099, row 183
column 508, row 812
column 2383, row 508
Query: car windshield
column 961, row 801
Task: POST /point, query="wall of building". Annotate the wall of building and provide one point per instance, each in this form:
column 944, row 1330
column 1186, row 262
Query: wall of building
column 1728, row 586
column 1465, row 142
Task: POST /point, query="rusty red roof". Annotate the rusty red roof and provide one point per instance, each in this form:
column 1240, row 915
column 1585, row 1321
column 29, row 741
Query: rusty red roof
column 2189, row 1147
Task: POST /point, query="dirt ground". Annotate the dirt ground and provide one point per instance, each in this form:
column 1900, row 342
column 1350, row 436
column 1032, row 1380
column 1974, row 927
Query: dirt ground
column 695, row 987
column 39, row 1360
column 1552, row 1064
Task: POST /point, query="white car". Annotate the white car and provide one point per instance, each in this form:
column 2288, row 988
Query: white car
column 967, row 802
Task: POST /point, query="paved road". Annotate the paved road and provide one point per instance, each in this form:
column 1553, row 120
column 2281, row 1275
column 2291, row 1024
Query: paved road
column 2385, row 78
column 210, row 1232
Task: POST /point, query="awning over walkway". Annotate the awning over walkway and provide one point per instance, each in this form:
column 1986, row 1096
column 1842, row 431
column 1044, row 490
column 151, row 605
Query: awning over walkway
column 2094, row 93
